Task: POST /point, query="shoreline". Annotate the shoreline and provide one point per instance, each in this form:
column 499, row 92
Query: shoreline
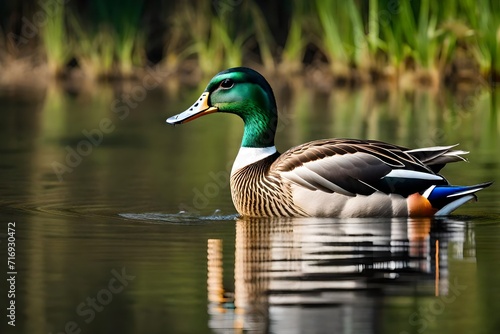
column 319, row 76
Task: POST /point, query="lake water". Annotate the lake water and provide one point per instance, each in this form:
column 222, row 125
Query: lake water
column 125, row 225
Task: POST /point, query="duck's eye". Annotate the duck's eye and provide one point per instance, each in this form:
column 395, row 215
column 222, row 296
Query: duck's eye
column 227, row 83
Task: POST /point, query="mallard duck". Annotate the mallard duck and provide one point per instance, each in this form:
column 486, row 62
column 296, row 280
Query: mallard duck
column 323, row 178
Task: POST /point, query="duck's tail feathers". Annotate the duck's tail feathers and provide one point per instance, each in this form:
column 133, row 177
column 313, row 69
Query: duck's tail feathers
column 437, row 157
column 446, row 199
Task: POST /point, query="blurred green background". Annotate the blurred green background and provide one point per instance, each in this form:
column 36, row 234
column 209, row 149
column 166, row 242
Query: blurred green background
column 353, row 40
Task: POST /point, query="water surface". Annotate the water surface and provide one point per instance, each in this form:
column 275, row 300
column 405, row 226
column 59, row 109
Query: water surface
column 125, row 224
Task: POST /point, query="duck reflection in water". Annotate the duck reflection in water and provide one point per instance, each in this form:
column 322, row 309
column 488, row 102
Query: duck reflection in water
column 294, row 275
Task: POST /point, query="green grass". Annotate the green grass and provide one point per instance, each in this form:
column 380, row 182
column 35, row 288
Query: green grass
column 263, row 37
column 487, row 30
column 213, row 38
column 55, row 40
column 332, row 43
column 130, row 37
column 123, row 17
column 105, row 42
column 191, row 24
column 111, row 38
column 343, row 34
column 232, row 47
column 293, row 52
column 95, row 50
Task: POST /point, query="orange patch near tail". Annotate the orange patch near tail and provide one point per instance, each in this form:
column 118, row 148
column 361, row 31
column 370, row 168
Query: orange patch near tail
column 419, row 206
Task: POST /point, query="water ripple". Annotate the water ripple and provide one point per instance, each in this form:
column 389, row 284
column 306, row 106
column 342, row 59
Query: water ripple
column 181, row 217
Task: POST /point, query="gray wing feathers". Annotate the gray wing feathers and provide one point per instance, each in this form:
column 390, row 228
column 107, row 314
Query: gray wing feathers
column 352, row 167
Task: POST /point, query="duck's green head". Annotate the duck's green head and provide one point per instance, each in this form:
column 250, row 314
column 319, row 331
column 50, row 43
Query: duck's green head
column 244, row 92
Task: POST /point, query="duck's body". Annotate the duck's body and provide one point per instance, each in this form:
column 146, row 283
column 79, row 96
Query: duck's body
column 344, row 178
column 324, row 178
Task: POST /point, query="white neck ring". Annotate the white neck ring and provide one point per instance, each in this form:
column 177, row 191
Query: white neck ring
column 249, row 155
